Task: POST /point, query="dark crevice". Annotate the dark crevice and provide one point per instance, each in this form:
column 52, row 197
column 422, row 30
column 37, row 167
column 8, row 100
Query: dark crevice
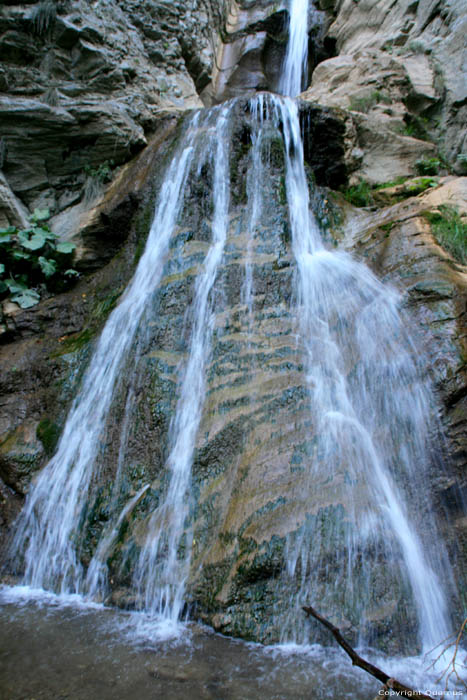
column 436, row 12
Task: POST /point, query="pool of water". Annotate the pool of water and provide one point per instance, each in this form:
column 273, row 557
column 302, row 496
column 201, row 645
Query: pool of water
column 54, row 648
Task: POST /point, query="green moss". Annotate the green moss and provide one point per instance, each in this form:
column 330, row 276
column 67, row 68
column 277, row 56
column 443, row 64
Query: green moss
column 104, row 307
column 48, row 433
column 282, row 191
column 363, row 104
column 420, row 185
column 391, row 183
column 417, row 128
column 77, row 341
column 450, row 230
column 143, row 224
column 387, row 228
column 277, row 153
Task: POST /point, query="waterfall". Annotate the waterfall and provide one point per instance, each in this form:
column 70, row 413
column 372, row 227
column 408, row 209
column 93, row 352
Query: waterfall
column 50, row 519
column 295, row 66
column 369, row 406
column 162, row 569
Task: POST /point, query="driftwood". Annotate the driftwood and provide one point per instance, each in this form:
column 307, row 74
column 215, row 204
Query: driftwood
column 390, row 684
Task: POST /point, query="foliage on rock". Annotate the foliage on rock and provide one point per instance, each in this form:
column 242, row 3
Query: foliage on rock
column 32, row 261
column 450, row 230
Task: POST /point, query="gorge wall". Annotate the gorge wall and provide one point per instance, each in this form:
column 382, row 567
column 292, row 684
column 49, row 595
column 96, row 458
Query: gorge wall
column 104, row 83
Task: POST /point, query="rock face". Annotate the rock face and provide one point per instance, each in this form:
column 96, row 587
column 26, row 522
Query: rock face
column 85, row 84
column 401, row 70
column 93, row 84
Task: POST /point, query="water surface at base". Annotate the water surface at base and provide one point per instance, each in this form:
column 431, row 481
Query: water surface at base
column 59, row 649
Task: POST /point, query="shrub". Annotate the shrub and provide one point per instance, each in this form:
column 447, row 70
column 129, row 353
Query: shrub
column 461, row 163
column 32, row 260
column 428, row 166
column 359, row 195
column 450, row 230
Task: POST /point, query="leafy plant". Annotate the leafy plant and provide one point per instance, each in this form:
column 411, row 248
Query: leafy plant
column 420, row 185
column 32, row 261
column 392, row 183
column 96, row 177
column 450, row 230
column 417, row 127
column 428, row 166
column 359, row 195
column 366, row 195
column 103, row 172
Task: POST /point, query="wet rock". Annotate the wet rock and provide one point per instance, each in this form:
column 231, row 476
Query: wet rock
column 21, row 454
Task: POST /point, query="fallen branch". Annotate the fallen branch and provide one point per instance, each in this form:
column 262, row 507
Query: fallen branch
column 451, row 667
column 357, row 660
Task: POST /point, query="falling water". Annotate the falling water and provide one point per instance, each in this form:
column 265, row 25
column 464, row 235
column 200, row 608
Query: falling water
column 295, row 66
column 97, row 573
column 370, row 410
column 163, row 564
column 255, row 189
column 50, row 519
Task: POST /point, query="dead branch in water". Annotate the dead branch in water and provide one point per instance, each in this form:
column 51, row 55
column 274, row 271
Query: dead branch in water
column 389, row 683
column 451, row 667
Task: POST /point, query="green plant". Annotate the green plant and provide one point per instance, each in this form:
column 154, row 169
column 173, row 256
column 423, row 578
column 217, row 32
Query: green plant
column 417, row 127
column 96, row 177
column 32, row 260
column 387, row 228
column 418, row 47
column 450, row 230
column 48, row 433
column 359, row 195
column 428, row 166
column 102, row 173
column 363, row 104
column 461, row 162
column 420, row 185
column 392, row 183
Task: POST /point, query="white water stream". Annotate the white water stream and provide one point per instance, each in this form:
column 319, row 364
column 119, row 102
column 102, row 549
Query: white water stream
column 370, row 429
column 370, row 408
column 162, row 570
column 51, row 516
column 295, row 67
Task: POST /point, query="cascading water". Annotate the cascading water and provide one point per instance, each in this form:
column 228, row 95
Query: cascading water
column 161, row 570
column 49, row 521
column 295, row 66
column 369, row 433
column 369, row 429
column 364, row 429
